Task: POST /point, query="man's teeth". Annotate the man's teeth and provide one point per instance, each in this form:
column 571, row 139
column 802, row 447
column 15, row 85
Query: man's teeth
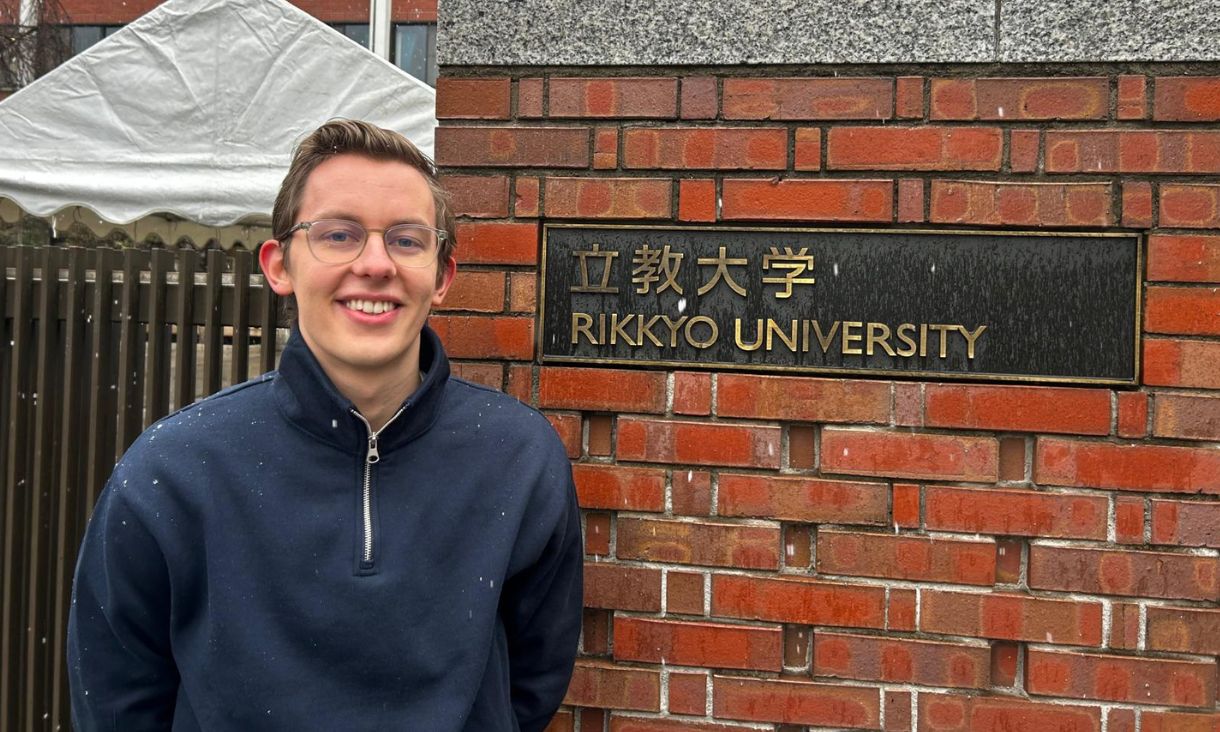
column 371, row 307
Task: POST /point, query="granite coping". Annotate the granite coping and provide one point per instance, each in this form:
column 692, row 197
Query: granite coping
column 744, row 32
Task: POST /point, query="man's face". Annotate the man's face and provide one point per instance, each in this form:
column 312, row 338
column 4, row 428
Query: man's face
column 332, row 300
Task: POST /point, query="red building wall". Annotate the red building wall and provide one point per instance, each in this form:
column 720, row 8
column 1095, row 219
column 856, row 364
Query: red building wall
column 809, row 552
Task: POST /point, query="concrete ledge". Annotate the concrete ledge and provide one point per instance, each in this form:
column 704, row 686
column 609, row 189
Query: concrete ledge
column 736, row 32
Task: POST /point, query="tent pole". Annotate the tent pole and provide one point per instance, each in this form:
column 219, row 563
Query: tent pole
column 379, row 27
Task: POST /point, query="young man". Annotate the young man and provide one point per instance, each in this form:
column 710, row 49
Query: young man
column 356, row 541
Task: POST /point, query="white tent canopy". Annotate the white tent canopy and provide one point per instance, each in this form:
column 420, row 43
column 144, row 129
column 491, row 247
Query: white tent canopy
column 193, row 110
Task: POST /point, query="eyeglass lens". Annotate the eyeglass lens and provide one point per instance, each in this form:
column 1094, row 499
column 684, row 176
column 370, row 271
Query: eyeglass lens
column 337, row 241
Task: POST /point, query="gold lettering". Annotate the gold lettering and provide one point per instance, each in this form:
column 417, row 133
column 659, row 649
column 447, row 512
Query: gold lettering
column 582, row 323
column 902, row 336
column 882, row 340
column 944, row 330
column 758, row 341
column 824, row 340
column 673, row 328
column 774, row 328
column 923, row 340
column 971, row 338
column 616, row 329
column 849, row 337
column 713, row 331
column 644, row 329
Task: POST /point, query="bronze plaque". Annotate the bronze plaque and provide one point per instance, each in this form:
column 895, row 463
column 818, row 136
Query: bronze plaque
column 1006, row 306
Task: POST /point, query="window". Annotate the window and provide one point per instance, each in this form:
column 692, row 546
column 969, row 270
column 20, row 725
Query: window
column 84, row 36
column 358, row 32
column 415, row 50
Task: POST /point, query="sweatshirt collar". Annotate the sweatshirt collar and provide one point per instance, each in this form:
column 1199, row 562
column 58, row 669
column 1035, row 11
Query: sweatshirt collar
column 309, row 400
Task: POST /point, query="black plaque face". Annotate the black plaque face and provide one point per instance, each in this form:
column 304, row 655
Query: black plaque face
column 1003, row 306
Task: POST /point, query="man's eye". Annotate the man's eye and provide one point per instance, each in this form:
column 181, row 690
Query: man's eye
column 406, row 242
column 339, row 237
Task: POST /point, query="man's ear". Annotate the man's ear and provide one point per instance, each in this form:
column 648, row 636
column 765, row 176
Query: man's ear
column 444, row 279
column 271, row 257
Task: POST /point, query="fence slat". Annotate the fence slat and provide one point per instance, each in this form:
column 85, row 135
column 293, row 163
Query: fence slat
column 102, row 375
column 268, row 305
column 240, row 366
column 184, row 354
column 157, row 382
column 213, row 330
column 131, row 360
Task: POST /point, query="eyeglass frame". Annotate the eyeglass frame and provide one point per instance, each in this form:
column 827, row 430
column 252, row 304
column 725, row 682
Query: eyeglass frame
column 441, row 237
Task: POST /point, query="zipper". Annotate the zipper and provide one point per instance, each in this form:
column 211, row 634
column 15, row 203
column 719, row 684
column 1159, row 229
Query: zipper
column 371, row 458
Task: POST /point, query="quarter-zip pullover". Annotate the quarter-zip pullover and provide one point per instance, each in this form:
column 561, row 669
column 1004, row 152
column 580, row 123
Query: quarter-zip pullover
column 263, row 559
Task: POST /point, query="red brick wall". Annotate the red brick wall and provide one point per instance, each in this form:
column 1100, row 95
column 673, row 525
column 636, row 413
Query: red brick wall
column 113, row 12
column 800, row 552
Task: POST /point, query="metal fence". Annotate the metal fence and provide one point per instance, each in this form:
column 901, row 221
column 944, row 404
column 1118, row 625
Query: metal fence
column 96, row 345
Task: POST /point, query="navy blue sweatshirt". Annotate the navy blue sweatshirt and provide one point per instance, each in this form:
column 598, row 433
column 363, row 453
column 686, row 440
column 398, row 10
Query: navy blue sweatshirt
column 238, row 575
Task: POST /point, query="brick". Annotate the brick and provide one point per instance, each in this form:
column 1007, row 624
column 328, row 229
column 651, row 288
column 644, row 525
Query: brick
column 1020, row 99
column 522, row 292
column 616, row 487
column 460, row 98
column 1177, row 258
column 1182, row 310
column 914, row 148
column 1187, row 417
column 811, row 500
column 802, row 399
column 561, row 722
column 567, row 426
column 699, row 98
column 697, row 200
column 687, row 695
column 1118, row 678
column 625, row 97
column 798, row 547
column 897, row 711
column 908, row 94
column 605, row 685
column 1132, row 414
column 498, row 243
column 597, row 534
column 706, row 148
column 801, row 601
column 1129, row 520
column 1012, row 459
column 795, row 702
column 664, row 441
column 478, row 196
column 490, row 375
column 1126, row 572
column 1127, row 467
column 605, row 148
column 1008, row 560
column 901, row 661
column 1186, row 523
column 710, row 645
column 1132, row 151
column 615, row 587
column 807, row 153
column 618, row 198
column 662, row 724
column 683, row 593
column 910, row 200
column 1023, row 150
column 602, row 390
column 1179, row 722
column 1186, row 99
column 1132, row 97
column 533, row 147
column 525, row 197
column 906, row 503
column 952, row 713
column 808, row 98
column 1005, row 658
column 601, row 434
column 1015, row 512
column 594, row 719
column 707, row 544
column 1021, row 204
column 692, row 393
column 901, row 609
column 506, row 338
column 802, row 447
column 1137, row 204
column 529, row 97
column 1125, row 626
column 1190, row 364
column 476, row 291
column 807, row 200
column 1017, row 408
column 1190, row 206
column 1011, row 617
column 906, row 557
column 691, row 492
column 909, row 455
column 1184, row 630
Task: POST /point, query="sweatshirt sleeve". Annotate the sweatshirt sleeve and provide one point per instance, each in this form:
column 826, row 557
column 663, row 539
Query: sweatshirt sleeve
column 122, row 674
column 543, row 614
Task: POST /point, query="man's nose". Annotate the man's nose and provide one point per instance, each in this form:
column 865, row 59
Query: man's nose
column 374, row 259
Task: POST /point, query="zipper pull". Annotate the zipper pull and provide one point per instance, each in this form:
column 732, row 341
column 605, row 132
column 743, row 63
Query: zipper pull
column 373, row 456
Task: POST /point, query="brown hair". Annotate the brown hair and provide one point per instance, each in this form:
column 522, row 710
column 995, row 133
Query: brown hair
column 356, row 137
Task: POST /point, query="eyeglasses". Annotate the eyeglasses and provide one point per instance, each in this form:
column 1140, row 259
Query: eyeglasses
column 338, row 241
